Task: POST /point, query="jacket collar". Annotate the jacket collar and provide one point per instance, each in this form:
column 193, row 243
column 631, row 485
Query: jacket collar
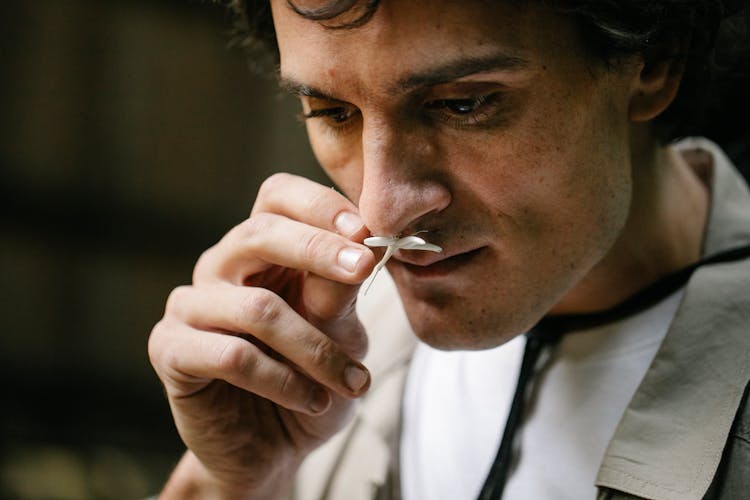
column 670, row 439
column 668, row 450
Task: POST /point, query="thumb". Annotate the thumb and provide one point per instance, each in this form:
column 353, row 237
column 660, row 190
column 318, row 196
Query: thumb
column 330, row 307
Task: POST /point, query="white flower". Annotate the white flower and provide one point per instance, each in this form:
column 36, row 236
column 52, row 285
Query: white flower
column 394, row 243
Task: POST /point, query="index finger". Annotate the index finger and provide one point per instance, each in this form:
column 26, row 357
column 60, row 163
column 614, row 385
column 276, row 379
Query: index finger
column 328, row 303
column 307, row 201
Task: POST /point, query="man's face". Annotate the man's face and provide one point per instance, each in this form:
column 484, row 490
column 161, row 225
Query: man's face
column 483, row 124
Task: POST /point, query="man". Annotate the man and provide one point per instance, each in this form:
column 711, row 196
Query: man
column 527, row 140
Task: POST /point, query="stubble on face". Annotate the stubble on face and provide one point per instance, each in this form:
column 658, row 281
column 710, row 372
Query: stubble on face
column 542, row 194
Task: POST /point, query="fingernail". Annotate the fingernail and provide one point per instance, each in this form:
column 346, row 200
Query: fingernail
column 349, row 257
column 347, row 223
column 355, row 377
column 319, row 401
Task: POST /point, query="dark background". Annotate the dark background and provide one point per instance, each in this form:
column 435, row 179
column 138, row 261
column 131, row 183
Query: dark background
column 131, row 138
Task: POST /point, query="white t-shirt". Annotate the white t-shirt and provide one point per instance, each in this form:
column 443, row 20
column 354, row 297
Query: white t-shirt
column 456, row 404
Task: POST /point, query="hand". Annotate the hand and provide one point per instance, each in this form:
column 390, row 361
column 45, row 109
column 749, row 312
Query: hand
column 260, row 356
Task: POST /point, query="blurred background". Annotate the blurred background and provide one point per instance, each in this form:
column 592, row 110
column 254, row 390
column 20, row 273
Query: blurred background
column 131, row 138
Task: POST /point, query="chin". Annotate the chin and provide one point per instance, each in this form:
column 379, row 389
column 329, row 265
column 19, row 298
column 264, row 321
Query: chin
column 464, row 330
column 454, row 313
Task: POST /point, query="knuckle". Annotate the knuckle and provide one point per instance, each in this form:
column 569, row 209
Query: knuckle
column 313, row 246
column 321, row 352
column 176, row 298
column 273, row 184
column 235, row 357
column 260, row 306
column 201, row 264
column 253, row 226
column 170, row 362
column 287, row 384
column 160, row 355
column 154, row 344
column 319, row 202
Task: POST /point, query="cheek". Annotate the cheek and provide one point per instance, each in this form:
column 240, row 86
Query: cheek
column 576, row 154
column 560, row 174
column 583, row 186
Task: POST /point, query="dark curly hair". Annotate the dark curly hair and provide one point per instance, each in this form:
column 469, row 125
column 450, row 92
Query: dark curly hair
column 714, row 34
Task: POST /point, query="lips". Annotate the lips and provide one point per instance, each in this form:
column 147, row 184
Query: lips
column 426, row 264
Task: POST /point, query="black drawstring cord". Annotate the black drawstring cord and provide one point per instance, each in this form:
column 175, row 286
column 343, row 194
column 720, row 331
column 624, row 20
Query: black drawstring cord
column 551, row 329
column 536, row 340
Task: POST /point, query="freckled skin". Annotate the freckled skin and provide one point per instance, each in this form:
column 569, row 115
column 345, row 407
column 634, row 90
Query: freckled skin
column 545, row 191
column 479, row 122
column 482, row 123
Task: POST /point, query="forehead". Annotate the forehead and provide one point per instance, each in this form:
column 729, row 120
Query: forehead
column 405, row 36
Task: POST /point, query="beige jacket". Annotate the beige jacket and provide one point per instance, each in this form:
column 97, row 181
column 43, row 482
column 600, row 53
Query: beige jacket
column 676, row 440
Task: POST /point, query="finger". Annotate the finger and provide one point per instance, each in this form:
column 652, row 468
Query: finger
column 331, row 308
column 265, row 316
column 301, row 199
column 307, row 201
column 268, row 239
column 188, row 359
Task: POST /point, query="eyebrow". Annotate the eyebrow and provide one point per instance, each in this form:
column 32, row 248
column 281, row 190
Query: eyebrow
column 461, row 68
column 300, row 89
column 443, row 73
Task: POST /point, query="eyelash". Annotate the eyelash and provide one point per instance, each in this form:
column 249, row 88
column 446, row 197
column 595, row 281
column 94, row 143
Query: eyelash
column 479, row 110
column 337, row 118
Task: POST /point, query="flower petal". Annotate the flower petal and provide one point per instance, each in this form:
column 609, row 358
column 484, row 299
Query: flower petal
column 379, row 241
column 430, row 247
column 393, row 243
column 410, row 242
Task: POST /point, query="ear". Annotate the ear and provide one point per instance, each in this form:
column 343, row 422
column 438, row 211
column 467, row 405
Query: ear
column 656, row 83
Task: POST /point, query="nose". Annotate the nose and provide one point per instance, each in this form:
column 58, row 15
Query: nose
column 402, row 182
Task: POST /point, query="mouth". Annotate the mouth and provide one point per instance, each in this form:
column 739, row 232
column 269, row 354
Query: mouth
column 421, row 265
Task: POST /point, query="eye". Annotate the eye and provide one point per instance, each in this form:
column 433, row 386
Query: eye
column 336, row 117
column 467, row 111
column 458, row 106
